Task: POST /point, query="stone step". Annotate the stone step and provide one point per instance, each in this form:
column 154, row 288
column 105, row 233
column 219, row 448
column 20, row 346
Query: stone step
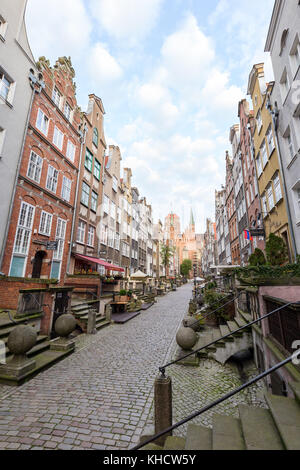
column 260, row 432
column 233, row 326
column 240, row 322
column 225, row 331
column 102, row 324
column 286, row 414
column 227, row 433
column 207, row 338
column 174, row 443
column 246, row 316
column 217, row 335
column 295, row 386
column 198, row 438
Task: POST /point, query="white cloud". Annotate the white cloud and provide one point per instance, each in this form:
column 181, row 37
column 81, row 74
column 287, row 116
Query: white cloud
column 102, row 65
column 187, row 55
column 58, row 28
column 127, row 19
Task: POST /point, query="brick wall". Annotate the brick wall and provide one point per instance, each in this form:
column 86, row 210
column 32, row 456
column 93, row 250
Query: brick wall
column 9, row 291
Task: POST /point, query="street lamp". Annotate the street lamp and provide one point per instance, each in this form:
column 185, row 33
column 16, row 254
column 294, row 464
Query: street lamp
column 195, row 267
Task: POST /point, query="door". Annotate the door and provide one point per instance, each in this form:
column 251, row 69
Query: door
column 37, row 264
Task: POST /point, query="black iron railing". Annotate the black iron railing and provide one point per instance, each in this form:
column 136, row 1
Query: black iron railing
column 216, row 402
column 163, row 368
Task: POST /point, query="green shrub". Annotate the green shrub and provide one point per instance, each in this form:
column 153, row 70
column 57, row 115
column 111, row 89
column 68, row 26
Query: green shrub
column 257, row 258
column 276, row 250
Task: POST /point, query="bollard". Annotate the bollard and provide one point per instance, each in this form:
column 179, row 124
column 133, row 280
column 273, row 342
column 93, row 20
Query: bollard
column 91, row 326
column 162, row 407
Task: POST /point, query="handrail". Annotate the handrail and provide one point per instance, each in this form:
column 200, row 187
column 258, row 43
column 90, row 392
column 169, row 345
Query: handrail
column 163, row 368
column 216, row 402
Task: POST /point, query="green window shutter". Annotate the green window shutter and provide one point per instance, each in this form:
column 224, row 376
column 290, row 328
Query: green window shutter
column 88, row 160
column 97, row 169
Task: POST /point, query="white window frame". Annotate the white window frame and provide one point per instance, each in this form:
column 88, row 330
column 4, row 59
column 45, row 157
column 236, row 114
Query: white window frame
column 85, row 197
column 3, row 26
column 284, row 85
column 66, row 189
column 58, row 138
column 270, row 196
column 277, row 188
column 25, row 223
column 270, row 139
column 81, row 229
column 34, row 170
column 264, row 154
column 295, row 55
column 68, row 111
column 259, row 166
column 115, row 184
column 91, row 236
column 2, row 139
column 259, row 121
column 42, row 122
column 57, row 97
column 5, row 86
column 71, row 151
column 45, row 223
column 52, row 179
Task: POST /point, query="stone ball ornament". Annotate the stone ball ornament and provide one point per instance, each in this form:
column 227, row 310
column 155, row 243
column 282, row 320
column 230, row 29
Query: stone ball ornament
column 21, row 340
column 191, row 322
column 65, row 325
column 186, row 338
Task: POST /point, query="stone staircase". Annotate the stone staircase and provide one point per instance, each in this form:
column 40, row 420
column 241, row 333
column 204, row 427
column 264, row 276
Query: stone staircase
column 275, row 428
column 81, row 313
column 41, row 352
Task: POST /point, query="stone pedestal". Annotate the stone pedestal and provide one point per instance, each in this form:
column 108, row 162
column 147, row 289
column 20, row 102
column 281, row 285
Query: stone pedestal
column 108, row 312
column 162, row 407
column 62, row 344
column 17, row 367
column 91, row 327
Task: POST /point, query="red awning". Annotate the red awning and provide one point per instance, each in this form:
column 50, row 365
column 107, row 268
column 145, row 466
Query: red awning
column 108, row 266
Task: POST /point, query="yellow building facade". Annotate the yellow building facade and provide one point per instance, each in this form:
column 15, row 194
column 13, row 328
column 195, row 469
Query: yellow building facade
column 270, row 186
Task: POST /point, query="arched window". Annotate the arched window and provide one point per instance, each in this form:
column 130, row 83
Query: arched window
column 95, row 137
column 283, row 40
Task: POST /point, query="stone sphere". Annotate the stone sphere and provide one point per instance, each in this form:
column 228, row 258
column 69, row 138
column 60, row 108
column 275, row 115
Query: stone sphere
column 186, row 338
column 65, row 325
column 22, row 339
column 191, row 322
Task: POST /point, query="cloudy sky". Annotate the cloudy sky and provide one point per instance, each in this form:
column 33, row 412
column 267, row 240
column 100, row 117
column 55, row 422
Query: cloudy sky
column 170, row 74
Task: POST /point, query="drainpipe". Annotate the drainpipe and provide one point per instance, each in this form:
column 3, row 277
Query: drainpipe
column 37, row 85
column 275, row 117
column 82, row 140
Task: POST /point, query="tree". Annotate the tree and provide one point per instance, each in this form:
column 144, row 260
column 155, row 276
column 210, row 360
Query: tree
column 186, row 267
column 166, row 252
column 257, row 258
column 276, row 251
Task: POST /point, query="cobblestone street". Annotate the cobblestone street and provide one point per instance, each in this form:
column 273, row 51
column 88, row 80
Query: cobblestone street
column 101, row 396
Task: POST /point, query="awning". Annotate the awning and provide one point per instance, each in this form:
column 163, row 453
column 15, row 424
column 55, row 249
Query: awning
column 107, row 266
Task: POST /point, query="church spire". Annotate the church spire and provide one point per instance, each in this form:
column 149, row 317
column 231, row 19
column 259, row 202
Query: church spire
column 192, row 220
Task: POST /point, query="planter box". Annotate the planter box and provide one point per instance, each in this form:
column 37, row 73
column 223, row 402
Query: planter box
column 263, row 281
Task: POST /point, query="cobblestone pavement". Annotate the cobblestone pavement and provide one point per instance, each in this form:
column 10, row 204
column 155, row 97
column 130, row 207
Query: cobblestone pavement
column 101, row 396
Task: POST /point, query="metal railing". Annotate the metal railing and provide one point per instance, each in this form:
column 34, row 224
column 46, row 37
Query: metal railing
column 163, row 368
column 216, row 402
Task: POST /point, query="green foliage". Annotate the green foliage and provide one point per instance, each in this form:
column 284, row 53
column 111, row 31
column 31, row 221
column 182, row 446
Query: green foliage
column 186, row 267
column 276, row 251
column 214, row 301
column 257, row 258
column 123, row 292
column 254, row 274
column 166, row 254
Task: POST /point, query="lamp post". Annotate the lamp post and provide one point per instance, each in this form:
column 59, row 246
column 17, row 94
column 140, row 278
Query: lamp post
column 195, row 267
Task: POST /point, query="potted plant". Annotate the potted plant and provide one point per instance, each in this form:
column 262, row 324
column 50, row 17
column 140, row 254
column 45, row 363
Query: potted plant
column 123, row 296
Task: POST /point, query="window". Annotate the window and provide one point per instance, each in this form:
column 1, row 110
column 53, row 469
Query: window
column 270, row 139
column 56, row 97
column 85, row 195
column 68, row 111
column 35, row 167
column 71, row 149
column 263, row 150
column 103, row 234
column 2, row 138
column 106, row 204
column 5, row 85
column 259, row 120
column 258, row 165
column 88, row 160
column 113, row 210
column 94, row 203
column 277, row 188
column 97, row 169
column 289, row 143
column 3, row 27
column 52, row 179
column 91, row 236
column 119, row 215
column 58, row 138
column 264, row 205
column 22, row 240
column 111, row 238
column 270, row 196
column 81, row 231
column 284, row 85
column 115, row 184
column 66, row 189
column 295, row 55
column 42, row 122
column 58, row 254
column 95, row 137
column 45, row 224
column 117, row 241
